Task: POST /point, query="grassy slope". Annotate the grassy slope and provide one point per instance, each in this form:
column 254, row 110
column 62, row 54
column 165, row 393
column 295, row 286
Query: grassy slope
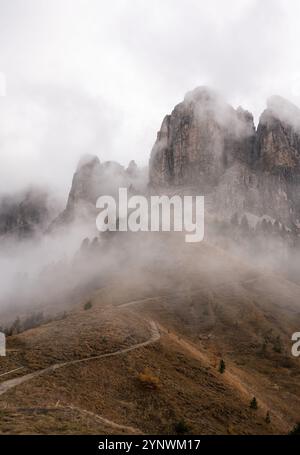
column 220, row 309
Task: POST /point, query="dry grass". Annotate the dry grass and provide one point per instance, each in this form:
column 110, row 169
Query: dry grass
column 226, row 314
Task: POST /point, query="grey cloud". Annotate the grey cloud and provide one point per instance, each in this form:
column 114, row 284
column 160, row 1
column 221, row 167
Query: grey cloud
column 95, row 77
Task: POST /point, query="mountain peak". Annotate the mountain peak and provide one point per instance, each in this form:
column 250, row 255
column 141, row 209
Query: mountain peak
column 283, row 110
column 202, row 136
column 88, row 160
column 202, row 94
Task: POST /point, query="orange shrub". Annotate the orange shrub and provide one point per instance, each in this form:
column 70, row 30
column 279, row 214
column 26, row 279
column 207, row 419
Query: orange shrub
column 148, row 379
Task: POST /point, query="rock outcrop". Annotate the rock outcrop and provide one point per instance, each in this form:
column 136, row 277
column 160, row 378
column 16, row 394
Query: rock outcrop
column 85, row 186
column 215, row 150
column 26, row 213
column 91, row 180
column 277, row 148
column 201, row 138
column 277, row 155
column 132, row 169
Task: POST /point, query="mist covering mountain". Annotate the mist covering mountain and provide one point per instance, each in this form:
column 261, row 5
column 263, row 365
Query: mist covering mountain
column 249, row 176
column 204, row 146
column 65, row 287
column 27, row 212
column 93, row 179
column 207, row 145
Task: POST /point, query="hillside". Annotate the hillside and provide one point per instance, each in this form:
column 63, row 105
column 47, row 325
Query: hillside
column 86, row 372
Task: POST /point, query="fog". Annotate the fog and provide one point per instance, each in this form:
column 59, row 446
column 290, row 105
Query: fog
column 98, row 77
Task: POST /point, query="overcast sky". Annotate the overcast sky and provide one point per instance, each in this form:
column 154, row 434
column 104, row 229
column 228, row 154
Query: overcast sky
column 98, row 76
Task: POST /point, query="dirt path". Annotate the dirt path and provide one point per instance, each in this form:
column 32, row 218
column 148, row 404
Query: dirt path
column 231, row 377
column 107, row 422
column 154, row 336
column 7, row 385
column 11, row 371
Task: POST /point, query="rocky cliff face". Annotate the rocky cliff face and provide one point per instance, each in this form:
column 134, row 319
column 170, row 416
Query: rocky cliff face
column 26, row 213
column 93, row 179
column 277, row 148
column 214, row 149
column 277, row 154
column 200, row 139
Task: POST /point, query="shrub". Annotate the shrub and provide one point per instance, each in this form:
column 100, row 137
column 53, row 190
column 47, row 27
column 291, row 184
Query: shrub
column 16, row 327
column 295, row 430
column 277, row 345
column 148, row 379
column 30, row 322
column 181, row 427
column 222, row 366
column 88, row 305
column 253, row 403
column 34, row 320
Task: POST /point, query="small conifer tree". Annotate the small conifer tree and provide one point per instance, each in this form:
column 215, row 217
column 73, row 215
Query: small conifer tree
column 222, row 366
column 253, row 403
column 295, row 430
column 181, row 427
